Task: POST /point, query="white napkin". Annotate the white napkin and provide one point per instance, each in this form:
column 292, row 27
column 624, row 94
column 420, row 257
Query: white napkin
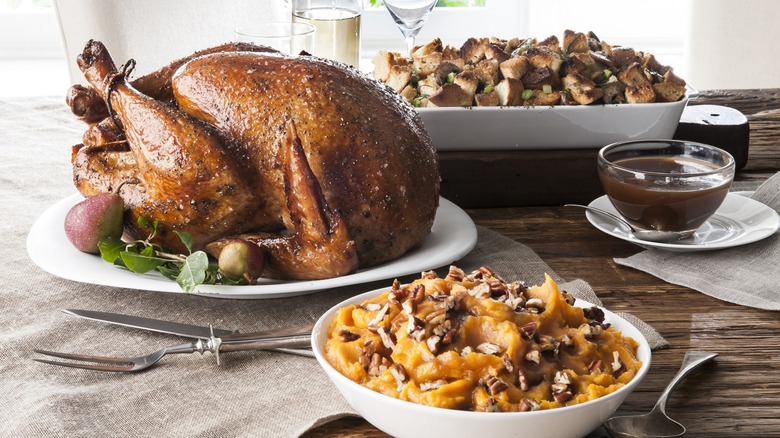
column 746, row 275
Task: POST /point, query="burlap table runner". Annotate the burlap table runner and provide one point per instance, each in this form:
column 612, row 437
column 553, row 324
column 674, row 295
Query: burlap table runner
column 250, row 394
column 745, row 275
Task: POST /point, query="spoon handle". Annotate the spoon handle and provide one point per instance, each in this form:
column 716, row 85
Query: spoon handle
column 692, row 360
column 613, row 216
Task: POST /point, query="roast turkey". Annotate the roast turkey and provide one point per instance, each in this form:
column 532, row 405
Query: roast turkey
column 326, row 169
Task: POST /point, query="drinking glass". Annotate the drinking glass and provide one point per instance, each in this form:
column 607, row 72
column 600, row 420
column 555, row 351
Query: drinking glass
column 288, row 38
column 338, row 27
column 410, row 16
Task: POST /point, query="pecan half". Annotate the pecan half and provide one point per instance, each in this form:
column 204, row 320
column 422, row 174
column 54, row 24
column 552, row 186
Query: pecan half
column 429, row 275
column 493, row 384
column 534, row 356
column 399, row 374
column 617, row 364
column 535, row 305
column 436, row 317
column 388, row 338
column 373, row 325
column 397, row 294
column 427, row 386
column 418, row 293
column 348, row 336
column 522, row 380
column 456, row 274
column 433, row 343
column 378, row 365
column 415, row 328
column 527, row 405
column 489, row 348
column 507, row 361
column 529, row 330
column 596, row 366
column 481, row 290
column 594, row 313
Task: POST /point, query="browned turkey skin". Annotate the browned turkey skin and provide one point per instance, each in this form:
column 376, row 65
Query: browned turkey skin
column 325, row 169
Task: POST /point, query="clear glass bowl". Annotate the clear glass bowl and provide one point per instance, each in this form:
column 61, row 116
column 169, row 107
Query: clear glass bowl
column 665, row 185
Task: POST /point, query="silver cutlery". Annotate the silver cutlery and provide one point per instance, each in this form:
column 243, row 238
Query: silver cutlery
column 649, row 235
column 215, row 345
column 181, row 329
column 292, row 340
column 657, row 423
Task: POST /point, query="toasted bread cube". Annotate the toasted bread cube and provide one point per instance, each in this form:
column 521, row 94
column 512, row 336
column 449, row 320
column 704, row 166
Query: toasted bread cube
column 514, row 68
column 537, row 78
column 649, row 62
column 383, row 61
column 487, row 71
column 467, row 81
column 575, row 42
column 428, row 86
column 450, row 53
column 623, row 56
column 427, row 64
column 543, row 56
column 434, row 46
column 552, row 42
column 540, row 98
column 668, row 92
column 497, row 41
column 494, row 51
column 672, row 78
column 450, row 95
column 509, row 92
column 512, row 44
column 580, row 63
column 399, row 77
column 408, row 93
column 606, row 48
column 581, row 89
column 473, row 50
column 486, row 99
column 633, row 75
column 640, row 94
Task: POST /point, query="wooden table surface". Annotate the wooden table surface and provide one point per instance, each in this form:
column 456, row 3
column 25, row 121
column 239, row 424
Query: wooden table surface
column 738, row 394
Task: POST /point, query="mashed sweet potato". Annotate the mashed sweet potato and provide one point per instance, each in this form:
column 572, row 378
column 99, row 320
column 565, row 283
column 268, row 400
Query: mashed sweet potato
column 475, row 342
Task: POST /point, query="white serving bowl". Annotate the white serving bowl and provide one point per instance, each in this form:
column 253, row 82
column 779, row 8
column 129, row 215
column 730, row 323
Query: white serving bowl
column 549, row 127
column 405, row 419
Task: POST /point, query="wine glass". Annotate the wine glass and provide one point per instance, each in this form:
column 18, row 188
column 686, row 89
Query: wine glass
column 410, row 16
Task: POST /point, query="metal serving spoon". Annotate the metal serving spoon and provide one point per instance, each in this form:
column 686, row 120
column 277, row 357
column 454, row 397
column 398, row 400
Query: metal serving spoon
column 648, row 235
column 657, row 424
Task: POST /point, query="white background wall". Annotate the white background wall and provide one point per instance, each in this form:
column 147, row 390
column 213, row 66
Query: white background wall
column 711, row 43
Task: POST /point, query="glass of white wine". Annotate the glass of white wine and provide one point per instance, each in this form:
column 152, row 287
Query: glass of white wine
column 338, row 27
column 410, row 16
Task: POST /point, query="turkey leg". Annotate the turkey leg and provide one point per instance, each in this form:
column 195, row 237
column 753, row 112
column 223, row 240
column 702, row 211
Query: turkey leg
column 191, row 178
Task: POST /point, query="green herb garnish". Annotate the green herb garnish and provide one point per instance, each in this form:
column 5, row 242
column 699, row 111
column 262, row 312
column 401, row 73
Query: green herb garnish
column 142, row 256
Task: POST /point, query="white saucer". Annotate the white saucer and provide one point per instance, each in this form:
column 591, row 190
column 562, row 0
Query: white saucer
column 738, row 221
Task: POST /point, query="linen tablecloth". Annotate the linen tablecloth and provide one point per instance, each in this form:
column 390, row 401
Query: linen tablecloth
column 249, row 394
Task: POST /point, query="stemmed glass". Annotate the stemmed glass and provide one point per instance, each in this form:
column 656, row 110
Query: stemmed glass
column 410, row 16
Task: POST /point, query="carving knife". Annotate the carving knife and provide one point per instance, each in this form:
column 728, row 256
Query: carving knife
column 189, row 330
